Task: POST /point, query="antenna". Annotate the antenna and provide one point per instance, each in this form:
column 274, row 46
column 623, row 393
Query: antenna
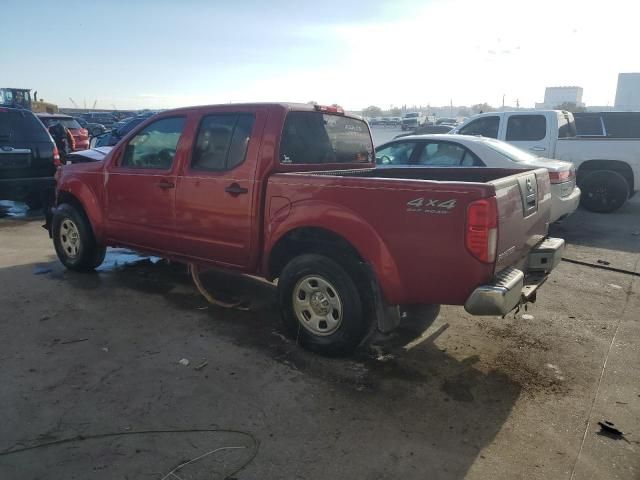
column 74, row 103
column 94, row 104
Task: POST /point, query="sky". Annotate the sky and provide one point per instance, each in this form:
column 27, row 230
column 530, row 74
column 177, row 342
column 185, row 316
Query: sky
column 164, row 54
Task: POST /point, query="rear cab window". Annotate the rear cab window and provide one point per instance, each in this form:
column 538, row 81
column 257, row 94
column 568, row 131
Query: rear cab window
column 323, row 138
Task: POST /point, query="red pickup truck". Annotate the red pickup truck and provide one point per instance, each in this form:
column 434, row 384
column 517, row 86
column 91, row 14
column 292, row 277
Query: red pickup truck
column 291, row 192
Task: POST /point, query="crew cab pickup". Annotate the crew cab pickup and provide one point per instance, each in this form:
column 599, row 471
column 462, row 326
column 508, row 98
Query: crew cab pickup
column 291, row 192
column 608, row 169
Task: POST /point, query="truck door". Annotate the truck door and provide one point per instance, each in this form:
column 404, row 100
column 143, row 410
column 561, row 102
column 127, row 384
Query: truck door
column 140, row 186
column 215, row 194
column 530, row 132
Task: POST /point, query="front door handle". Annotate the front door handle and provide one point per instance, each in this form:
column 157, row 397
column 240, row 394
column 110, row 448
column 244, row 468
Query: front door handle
column 166, row 184
column 234, row 190
column 538, row 149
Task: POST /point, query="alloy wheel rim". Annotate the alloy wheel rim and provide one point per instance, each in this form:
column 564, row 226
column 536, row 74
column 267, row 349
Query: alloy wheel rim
column 70, row 238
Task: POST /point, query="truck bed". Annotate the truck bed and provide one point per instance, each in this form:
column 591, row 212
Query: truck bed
column 413, row 221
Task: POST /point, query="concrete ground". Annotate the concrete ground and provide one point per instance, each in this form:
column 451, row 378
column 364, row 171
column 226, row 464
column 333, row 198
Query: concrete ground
column 91, row 384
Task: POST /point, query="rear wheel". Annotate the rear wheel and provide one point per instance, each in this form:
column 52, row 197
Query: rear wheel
column 603, row 191
column 74, row 241
column 321, row 305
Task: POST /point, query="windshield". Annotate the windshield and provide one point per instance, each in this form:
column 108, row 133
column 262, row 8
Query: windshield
column 412, row 115
column 314, row 137
column 15, row 97
column 65, row 122
column 508, row 150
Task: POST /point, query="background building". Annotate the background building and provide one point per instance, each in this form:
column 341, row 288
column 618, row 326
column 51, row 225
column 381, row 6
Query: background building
column 628, row 91
column 554, row 96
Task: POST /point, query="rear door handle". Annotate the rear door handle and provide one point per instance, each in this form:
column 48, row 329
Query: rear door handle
column 166, row 184
column 234, row 190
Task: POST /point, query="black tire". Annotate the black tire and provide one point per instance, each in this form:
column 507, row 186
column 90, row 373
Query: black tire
column 603, row 191
column 33, row 201
column 70, row 222
column 353, row 324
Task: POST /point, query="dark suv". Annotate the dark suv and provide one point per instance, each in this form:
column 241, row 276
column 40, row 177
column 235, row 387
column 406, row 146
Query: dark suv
column 28, row 158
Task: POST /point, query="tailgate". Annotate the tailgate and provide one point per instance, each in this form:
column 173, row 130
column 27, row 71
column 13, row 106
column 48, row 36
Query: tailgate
column 524, row 206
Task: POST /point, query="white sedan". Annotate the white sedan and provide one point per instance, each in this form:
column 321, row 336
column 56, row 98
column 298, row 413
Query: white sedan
column 471, row 151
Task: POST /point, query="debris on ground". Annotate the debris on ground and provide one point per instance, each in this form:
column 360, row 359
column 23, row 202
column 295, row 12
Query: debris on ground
column 42, row 270
column 527, row 316
column 184, row 362
column 105, row 349
column 44, row 318
column 201, row 366
column 76, row 340
column 604, row 262
column 613, row 285
column 608, row 429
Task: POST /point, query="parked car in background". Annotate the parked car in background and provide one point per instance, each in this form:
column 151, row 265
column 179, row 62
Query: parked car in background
column 413, row 120
column 78, row 132
column 93, row 128
column 105, row 119
column 427, row 130
column 375, row 121
column 608, row 170
column 470, row 151
column 608, row 124
column 447, row 121
column 291, row 192
column 28, row 158
column 109, row 139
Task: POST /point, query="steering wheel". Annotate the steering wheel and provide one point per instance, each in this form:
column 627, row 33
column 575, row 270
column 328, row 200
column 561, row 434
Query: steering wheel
column 385, row 160
column 166, row 155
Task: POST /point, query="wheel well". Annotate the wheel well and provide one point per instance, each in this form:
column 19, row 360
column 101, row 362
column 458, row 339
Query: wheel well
column 66, row 197
column 309, row 240
column 616, row 165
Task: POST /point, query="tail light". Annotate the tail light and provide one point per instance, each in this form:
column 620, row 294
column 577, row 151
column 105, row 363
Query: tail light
column 56, row 157
column 481, row 235
column 563, row 176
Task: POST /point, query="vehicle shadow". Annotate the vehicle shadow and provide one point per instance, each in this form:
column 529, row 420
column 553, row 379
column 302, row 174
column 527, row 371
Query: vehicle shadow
column 389, row 411
column 619, row 230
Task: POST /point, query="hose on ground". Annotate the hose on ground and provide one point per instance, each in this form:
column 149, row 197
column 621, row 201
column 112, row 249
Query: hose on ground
column 195, row 276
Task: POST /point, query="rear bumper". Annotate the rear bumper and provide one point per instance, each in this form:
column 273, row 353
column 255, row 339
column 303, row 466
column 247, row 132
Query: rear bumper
column 563, row 206
column 21, row 188
column 512, row 286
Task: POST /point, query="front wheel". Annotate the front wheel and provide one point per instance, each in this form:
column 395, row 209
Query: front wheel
column 603, row 191
column 74, row 241
column 321, row 305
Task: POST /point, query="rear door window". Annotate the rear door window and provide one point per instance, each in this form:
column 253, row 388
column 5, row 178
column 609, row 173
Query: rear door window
column 444, row 154
column 21, row 126
column 528, row 128
column 222, row 141
column 316, row 138
column 484, row 126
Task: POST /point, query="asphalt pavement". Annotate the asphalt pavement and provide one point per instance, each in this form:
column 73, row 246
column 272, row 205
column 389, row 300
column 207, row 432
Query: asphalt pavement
column 129, row 373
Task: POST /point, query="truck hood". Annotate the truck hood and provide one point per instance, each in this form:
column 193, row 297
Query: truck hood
column 92, row 155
